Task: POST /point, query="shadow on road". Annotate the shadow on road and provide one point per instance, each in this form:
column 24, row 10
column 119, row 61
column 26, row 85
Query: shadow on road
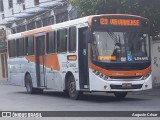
column 90, row 97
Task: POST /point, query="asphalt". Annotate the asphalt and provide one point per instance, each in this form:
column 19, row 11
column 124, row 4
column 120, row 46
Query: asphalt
column 155, row 91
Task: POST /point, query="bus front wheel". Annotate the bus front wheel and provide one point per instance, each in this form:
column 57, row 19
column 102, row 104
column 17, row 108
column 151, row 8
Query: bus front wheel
column 120, row 95
column 73, row 93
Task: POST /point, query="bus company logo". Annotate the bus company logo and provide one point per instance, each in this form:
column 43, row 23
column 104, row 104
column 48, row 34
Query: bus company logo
column 138, row 74
column 118, row 74
column 67, row 64
column 140, row 58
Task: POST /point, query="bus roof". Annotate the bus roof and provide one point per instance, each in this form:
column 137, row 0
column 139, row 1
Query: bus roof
column 87, row 19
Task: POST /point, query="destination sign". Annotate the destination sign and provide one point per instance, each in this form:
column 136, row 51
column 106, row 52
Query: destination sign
column 119, row 22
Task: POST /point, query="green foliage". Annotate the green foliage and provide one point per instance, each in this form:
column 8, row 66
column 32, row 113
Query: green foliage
column 145, row 8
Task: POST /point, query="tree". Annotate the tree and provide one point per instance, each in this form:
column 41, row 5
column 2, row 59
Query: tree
column 145, row 8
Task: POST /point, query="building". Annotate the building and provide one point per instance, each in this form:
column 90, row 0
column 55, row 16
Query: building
column 156, row 60
column 21, row 15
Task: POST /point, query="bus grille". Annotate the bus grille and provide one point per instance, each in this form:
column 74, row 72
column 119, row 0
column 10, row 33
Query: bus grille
column 125, row 77
column 120, row 87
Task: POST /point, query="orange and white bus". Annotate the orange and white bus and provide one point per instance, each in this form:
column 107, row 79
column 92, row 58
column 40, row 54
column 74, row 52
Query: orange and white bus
column 107, row 53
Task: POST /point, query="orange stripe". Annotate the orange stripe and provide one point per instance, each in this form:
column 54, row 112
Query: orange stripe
column 31, row 32
column 51, row 61
column 30, row 58
column 121, row 73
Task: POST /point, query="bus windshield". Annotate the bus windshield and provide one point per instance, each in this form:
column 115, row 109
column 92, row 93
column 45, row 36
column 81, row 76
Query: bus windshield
column 120, row 46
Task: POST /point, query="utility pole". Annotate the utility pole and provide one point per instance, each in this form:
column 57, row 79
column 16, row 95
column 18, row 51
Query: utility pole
column 3, row 53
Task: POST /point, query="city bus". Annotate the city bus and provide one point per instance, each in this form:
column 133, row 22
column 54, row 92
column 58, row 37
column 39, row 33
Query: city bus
column 98, row 53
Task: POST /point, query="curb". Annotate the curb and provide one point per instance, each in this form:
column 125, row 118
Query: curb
column 4, row 82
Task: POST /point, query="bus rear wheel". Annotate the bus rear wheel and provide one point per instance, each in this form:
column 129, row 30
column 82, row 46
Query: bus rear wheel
column 28, row 84
column 120, row 95
column 73, row 93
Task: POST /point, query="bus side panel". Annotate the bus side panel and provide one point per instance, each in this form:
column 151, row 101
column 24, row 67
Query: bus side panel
column 16, row 75
column 18, row 67
column 56, row 77
column 31, row 69
column 15, row 71
column 69, row 66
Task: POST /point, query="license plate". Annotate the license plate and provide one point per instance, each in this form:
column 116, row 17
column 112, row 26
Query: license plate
column 126, row 85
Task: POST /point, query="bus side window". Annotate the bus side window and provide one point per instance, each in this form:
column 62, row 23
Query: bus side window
column 26, row 46
column 72, row 39
column 17, row 47
column 50, row 42
column 20, row 47
column 62, row 40
column 11, row 46
column 31, row 45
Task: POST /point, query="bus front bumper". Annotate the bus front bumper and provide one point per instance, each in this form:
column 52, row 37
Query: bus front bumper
column 98, row 84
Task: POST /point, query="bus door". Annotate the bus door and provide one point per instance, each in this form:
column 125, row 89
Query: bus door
column 83, row 58
column 40, row 60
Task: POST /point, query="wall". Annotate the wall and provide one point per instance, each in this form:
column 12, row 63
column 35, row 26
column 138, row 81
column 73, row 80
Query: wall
column 0, row 69
column 156, row 62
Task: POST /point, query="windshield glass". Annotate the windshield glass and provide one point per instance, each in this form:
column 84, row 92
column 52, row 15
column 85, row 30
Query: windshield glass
column 120, row 46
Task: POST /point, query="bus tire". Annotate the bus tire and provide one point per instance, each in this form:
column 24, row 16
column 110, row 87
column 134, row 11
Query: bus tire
column 73, row 93
column 28, row 84
column 120, row 95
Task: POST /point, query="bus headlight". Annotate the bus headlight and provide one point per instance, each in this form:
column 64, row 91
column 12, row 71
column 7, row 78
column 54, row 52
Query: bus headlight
column 104, row 77
column 146, row 76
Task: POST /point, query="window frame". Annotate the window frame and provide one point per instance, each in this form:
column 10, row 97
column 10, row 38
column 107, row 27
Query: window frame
column 36, row 2
column 1, row 6
column 59, row 44
column 20, row 47
column 69, row 40
column 28, row 49
column 10, row 4
column 48, row 37
column 20, row 1
column 12, row 49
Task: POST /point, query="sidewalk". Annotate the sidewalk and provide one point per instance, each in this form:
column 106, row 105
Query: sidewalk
column 4, row 81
